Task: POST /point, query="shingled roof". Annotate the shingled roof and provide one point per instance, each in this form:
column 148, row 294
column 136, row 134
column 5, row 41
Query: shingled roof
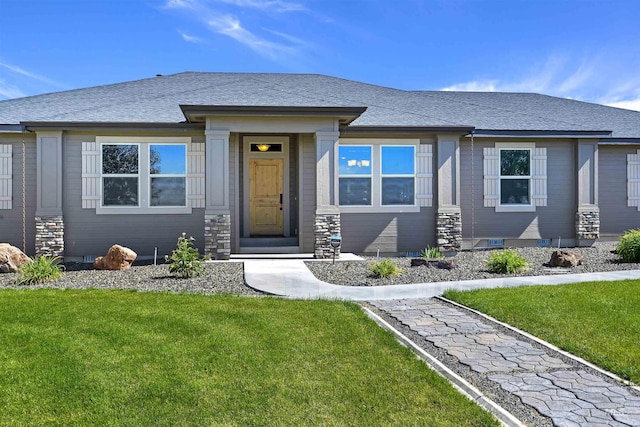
column 158, row 99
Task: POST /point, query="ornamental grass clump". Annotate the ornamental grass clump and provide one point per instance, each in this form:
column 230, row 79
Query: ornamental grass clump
column 431, row 253
column 185, row 260
column 628, row 248
column 41, row 269
column 506, row 261
column 384, row 268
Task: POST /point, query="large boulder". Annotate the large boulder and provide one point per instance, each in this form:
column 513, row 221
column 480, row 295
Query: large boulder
column 11, row 258
column 118, row 258
column 560, row 258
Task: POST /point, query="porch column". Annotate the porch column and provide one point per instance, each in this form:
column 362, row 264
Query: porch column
column 49, row 219
column 588, row 214
column 449, row 215
column 327, row 215
column 217, row 214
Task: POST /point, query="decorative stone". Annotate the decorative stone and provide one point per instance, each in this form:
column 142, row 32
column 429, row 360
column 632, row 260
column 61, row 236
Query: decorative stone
column 11, row 258
column 560, row 258
column 217, row 236
column 418, row 262
column 325, row 226
column 449, row 231
column 118, row 258
column 50, row 235
column 588, row 225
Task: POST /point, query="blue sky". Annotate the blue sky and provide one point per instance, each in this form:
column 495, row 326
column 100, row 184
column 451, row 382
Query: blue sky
column 586, row 50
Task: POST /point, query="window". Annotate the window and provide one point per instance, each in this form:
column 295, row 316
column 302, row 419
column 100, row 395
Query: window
column 515, row 177
column 379, row 175
column 138, row 175
column 398, row 171
column 120, row 166
column 355, row 175
column 168, row 170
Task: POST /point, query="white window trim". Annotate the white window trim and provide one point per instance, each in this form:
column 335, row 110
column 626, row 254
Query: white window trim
column 530, row 146
column 376, row 176
column 144, row 190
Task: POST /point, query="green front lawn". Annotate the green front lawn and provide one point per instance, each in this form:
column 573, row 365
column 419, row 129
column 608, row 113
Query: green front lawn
column 127, row 358
column 598, row 321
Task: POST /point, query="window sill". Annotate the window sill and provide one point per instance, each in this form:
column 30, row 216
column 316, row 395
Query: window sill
column 515, row 208
column 379, row 209
column 126, row 210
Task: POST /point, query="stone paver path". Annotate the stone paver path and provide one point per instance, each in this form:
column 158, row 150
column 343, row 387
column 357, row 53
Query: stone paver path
column 569, row 396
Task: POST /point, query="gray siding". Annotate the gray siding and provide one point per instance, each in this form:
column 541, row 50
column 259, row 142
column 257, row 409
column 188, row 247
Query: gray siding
column 293, row 186
column 615, row 216
column 547, row 222
column 87, row 233
column 236, row 222
column 308, row 191
column 388, row 232
column 11, row 223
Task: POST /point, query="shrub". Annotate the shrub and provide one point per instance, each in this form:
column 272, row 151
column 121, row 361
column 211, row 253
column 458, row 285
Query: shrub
column 185, row 259
column 628, row 248
column 506, row 261
column 41, row 269
column 430, row 252
column 384, row 268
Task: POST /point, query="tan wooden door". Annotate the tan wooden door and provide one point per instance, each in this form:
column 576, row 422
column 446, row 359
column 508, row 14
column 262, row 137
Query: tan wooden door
column 266, row 197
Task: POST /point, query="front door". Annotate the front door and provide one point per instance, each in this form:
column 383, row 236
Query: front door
column 265, row 197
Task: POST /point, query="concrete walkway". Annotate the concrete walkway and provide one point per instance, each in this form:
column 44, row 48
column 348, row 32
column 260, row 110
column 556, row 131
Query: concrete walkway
column 292, row 279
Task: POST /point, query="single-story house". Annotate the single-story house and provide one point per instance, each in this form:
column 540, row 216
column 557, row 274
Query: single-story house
column 281, row 162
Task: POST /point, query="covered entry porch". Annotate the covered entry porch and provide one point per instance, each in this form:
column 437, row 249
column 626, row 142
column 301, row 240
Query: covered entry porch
column 271, row 182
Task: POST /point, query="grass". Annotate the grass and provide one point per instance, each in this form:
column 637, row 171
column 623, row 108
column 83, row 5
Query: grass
column 598, row 321
column 125, row 358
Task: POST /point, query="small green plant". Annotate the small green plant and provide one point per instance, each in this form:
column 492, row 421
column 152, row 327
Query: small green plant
column 430, row 252
column 41, row 269
column 628, row 248
column 506, row 261
column 185, row 259
column 384, row 268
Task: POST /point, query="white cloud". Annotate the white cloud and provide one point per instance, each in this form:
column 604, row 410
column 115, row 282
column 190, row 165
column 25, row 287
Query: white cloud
column 632, row 104
column 228, row 25
column 188, row 38
column 31, row 75
column 231, row 27
column 10, row 91
column 270, row 5
column 473, row 86
column 589, row 80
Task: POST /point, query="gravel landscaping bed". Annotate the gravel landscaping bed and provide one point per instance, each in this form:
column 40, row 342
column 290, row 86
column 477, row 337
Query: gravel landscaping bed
column 470, row 265
column 218, row 278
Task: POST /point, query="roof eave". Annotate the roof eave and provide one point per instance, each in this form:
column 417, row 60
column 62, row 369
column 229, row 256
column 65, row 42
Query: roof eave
column 198, row 113
column 405, row 130
column 36, row 125
column 503, row 133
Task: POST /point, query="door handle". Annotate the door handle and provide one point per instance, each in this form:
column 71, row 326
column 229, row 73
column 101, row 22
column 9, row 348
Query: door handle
column 281, row 200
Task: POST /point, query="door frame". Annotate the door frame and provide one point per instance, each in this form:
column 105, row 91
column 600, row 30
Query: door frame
column 247, row 140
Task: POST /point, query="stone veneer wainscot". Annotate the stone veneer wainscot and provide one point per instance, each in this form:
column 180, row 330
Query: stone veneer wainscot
column 217, row 236
column 325, row 226
column 50, row 235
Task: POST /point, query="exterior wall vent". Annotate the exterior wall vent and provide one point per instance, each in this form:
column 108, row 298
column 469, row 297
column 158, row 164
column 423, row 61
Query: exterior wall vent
column 88, row 258
column 543, row 242
column 496, row 242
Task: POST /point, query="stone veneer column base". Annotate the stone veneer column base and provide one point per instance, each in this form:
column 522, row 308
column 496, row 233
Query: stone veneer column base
column 587, row 224
column 50, row 235
column 325, row 226
column 217, row 236
column 449, row 230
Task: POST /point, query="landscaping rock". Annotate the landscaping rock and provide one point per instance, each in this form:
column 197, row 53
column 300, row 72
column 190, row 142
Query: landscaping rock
column 11, row 258
column 118, row 258
column 446, row 264
column 418, row 262
column 560, row 258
